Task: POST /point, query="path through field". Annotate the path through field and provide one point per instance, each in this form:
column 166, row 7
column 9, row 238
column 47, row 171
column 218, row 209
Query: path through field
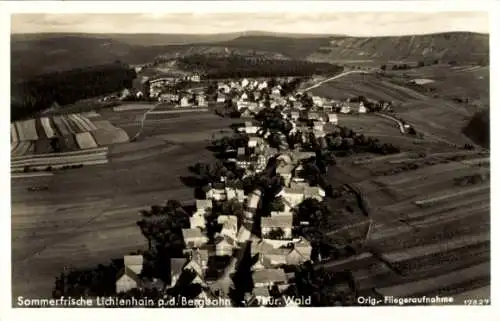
column 335, row 77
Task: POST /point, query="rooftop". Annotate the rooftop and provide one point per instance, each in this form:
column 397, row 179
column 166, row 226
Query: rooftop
column 133, row 260
column 266, row 275
column 190, row 233
column 277, row 221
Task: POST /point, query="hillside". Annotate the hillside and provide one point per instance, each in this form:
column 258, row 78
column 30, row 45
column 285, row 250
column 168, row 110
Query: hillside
column 35, row 54
column 457, row 46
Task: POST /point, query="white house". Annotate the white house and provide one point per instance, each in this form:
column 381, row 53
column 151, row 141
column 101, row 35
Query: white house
column 291, row 196
column 294, row 115
column 251, row 128
column 200, row 101
column 362, row 108
column 197, row 220
column 127, row 281
column 317, row 101
column 244, row 83
column 195, row 77
column 345, row 109
column 194, row 238
column 253, row 142
column 217, row 192
column 333, row 119
column 185, row 102
column 230, row 226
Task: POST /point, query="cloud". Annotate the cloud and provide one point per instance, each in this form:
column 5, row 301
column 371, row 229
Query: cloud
column 350, row 23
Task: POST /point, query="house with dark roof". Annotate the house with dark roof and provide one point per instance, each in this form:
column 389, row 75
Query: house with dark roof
column 224, row 245
column 274, row 223
column 194, row 238
column 127, row 280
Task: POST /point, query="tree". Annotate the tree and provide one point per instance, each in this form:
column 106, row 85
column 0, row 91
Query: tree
column 383, row 67
column 276, row 234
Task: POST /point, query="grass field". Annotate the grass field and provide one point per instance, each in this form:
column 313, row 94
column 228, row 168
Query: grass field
column 88, row 215
column 370, row 86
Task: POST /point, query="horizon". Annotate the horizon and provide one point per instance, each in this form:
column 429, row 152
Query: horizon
column 354, row 24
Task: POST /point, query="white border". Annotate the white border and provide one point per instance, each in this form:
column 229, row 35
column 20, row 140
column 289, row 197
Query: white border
column 344, row 314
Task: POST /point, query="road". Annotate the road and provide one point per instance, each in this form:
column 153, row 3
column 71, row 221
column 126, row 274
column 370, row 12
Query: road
column 336, row 77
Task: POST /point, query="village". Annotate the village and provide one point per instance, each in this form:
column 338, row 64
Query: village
column 274, row 243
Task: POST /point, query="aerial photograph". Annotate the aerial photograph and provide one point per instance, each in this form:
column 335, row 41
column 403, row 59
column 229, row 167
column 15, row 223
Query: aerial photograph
column 260, row 159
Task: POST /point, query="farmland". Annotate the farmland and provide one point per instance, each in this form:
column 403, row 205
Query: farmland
column 87, row 216
column 437, row 247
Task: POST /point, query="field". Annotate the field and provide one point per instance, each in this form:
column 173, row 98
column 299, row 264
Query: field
column 75, row 132
column 370, row 86
column 440, row 246
column 436, row 115
column 87, row 216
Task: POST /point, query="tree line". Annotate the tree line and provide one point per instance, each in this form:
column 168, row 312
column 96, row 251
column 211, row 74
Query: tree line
column 236, row 66
column 66, row 87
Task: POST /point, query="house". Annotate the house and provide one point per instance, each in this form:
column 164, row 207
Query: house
column 230, row 226
column 333, row 119
column 362, row 108
column 139, row 94
column 253, row 142
column 235, row 193
column 317, row 101
column 224, row 88
column 274, row 257
column 198, row 220
column 327, row 107
column 251, row 128
column 194, row 238
column 244, row 83
column 244, row 161
column 217, row 192
column 313, row 116
column 127, row 280
column 224, row 245
column 241, row 151
column 269, row 277
column 345, row 109
column 281, row 213
column 221, row 98
column 298, row 105
column 314, row 192
column 176, row 268
column 195, row 77
column 243, row 97
column 240, row 104
column 204, row 205
column 198, row 262
column 252, row 106
column 291, row 196
column 274, row 223
column 294, row 115
column 134, row 263
column 285, row 172
column 185, row 102
column 262, row 85
column 200, row 101
column 318, row 125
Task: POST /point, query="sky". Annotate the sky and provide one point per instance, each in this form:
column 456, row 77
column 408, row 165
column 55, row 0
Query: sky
column 345, row 23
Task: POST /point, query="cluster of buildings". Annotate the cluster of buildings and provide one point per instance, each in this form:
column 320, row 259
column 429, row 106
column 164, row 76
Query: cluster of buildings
column 276, row 244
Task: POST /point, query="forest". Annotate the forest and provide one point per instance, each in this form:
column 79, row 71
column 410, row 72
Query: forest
column 41, row 92
column 236, row 66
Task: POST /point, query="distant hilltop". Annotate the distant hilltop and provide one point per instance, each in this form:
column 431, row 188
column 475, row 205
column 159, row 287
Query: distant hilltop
column 33, row 54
